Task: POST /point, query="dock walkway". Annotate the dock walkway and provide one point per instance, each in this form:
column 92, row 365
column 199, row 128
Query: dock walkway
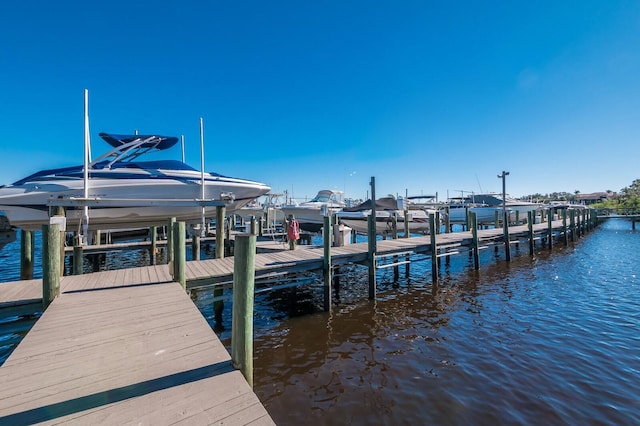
column 120, row 347
column 310, row 258
column 129, row 345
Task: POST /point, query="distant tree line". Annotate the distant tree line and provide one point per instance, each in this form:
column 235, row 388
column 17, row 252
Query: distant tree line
column 554, row 196
column 628, row 197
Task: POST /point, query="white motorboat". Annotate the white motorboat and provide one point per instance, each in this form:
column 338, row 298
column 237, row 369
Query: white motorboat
column 387, row 207
column 518, row 208
column 485, row 214
column 118, row 176
column 310, row 214
column 269, row 209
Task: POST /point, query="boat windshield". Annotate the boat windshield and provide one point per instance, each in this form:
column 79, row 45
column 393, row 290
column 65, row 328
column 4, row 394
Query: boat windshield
column 327, row 197
column 321, row 199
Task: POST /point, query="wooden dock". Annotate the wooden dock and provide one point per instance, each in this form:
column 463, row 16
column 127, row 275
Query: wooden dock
column 129, row 345
column 274, row 260
column 114, row 353
column 305, row 259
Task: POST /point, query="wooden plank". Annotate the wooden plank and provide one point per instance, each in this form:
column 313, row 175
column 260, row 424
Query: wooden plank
column 140, row 354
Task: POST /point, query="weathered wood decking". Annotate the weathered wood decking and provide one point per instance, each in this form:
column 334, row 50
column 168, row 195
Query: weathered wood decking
column 305, row 258
column 109, row 353
column 216, row 271
column 130, row 346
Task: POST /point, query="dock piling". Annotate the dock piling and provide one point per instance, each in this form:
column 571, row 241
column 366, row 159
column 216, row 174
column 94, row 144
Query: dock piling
column 170, row 243
column 550, row 231
column 50, row 263
column 220, row 234
column 27, row 249
column 326, row 268
column 78, row 258
column 243, row 299
column 507, row 242
column 434, row 251
column 179, row 251
column 530, row 220
column 475, row 246
column 371, row 241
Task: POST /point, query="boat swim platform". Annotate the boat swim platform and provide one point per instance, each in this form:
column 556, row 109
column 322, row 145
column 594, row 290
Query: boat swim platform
column 121, row 347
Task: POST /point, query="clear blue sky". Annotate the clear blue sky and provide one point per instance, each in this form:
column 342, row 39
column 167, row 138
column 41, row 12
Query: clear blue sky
column 427, row 96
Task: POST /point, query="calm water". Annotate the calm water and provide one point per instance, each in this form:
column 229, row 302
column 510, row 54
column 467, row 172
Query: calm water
column 546, row 340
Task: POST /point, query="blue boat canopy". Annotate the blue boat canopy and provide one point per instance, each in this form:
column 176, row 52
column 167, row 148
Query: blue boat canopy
column 151, row 141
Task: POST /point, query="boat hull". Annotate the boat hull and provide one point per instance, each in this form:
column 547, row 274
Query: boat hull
column 484, row 215
column 26, row 206
column 358, row 221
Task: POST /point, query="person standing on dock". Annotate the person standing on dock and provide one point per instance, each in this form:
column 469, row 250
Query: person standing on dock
column 293, row 232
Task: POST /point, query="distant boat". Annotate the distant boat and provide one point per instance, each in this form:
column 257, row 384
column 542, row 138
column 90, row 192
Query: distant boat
column 270, row 209
column 458, row 208
column 357, row 217
column 117, row 175
column 519, row 207
column 310, row 214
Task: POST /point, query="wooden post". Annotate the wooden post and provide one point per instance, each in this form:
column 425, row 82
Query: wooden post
column 507, row 243
column 371, row 241
column 564, row 227
column 179, row 250
column 253, row 226
column 530, row 220
column 170, row 243
column 327, row 269
column 243, row 297
column 27, row 249
column 78, row 258
column 406, row 223
column 550, row 229
column 542, row 218
column 394, row 235
column 50, row 263
column 572, row 224
column 434, row 251
column 467, row 219
column 220, row 234
column 153, row 233
column 496, row 219
column 447, row 220
column 474, row 233
column 371, row 244
column 195, row 246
